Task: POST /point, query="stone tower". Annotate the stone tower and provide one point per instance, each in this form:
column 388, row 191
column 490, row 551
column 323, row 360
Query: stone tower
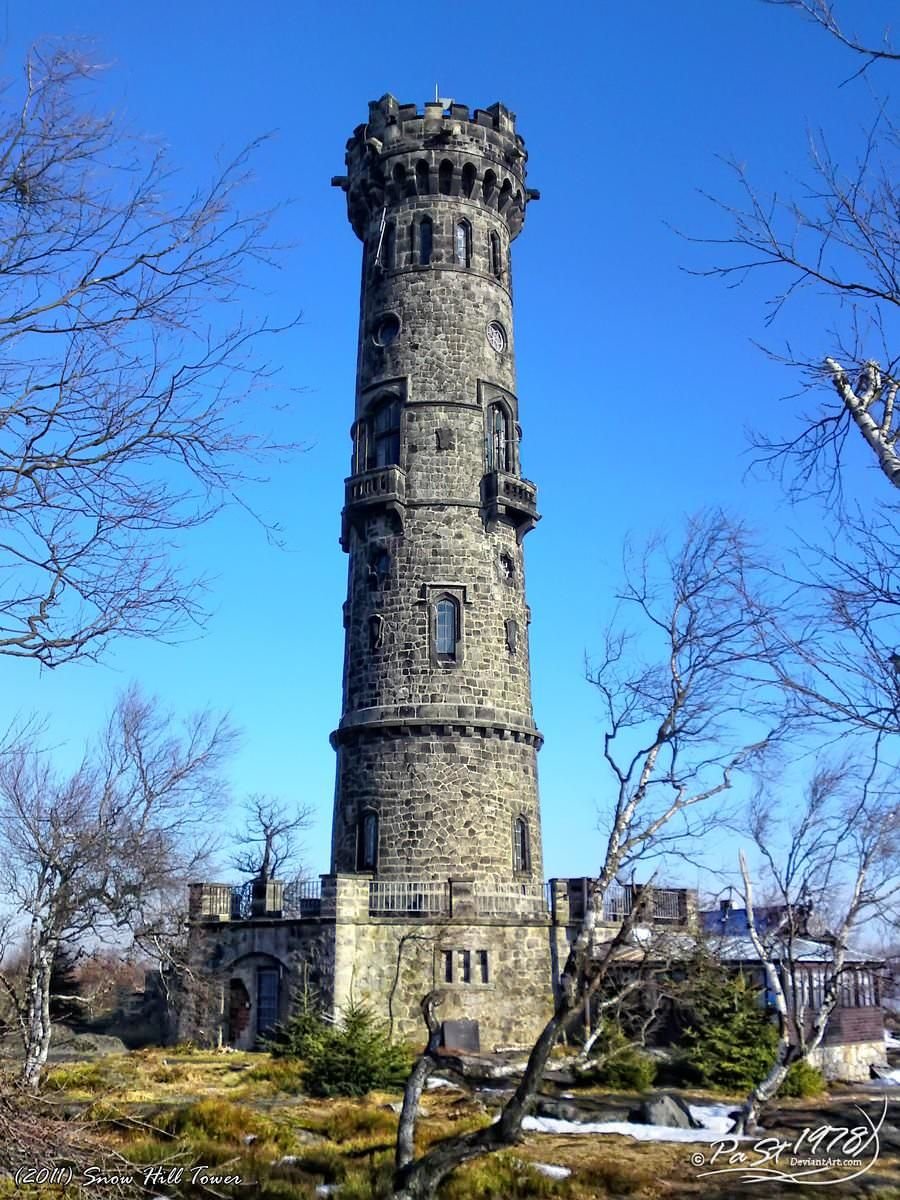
column 436, row 746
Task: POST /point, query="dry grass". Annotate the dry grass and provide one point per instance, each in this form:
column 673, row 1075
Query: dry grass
column 244, row 1112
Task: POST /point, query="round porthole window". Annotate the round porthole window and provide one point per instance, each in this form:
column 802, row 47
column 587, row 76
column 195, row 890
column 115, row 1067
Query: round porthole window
column 496, row 336
column 386, row 330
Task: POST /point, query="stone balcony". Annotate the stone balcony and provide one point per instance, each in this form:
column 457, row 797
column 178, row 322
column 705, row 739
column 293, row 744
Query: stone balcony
column 378, row 488
column 509, row 497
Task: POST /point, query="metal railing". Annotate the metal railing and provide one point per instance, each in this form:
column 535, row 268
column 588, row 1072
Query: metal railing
column 302, row 898
column 668, row 904
column 388, row 897
column 510, row 899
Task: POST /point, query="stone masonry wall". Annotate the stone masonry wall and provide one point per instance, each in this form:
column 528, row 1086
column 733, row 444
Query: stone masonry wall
column 444, row 752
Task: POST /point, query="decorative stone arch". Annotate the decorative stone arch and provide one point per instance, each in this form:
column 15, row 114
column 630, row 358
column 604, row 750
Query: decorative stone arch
column 468, row 180
column 489, row 189
column 256, row 997
column 505, row 195
column 446, row 173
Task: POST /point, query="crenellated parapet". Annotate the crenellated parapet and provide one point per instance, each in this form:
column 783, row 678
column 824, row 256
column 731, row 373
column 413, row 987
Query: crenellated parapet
column 402, row 154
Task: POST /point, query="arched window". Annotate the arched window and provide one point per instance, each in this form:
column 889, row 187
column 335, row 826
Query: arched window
column 505, row 195
column 425, row 241
column 386, row 430
column 423, row 183
column 468, row 179
column 488, row 187
column 399, row 177
column 462, row 247
column 446, row 629
column 521, row 845
column 445, row 177
column 367, row 845
column 499, row 457
column 496, row 258
column 378, row 437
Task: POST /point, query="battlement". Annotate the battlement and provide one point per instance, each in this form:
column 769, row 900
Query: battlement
column 387, row 114
column 402, row 153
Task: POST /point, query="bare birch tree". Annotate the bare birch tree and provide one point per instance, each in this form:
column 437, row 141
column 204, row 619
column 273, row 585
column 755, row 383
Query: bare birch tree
column 837, row 854
column 92, row 852
column 677, row 707
column 126, row 367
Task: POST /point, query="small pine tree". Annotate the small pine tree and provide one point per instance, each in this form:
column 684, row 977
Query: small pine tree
column 729, row 1039
column 617, row 1063
column 355, row 1057
column 301, row 1033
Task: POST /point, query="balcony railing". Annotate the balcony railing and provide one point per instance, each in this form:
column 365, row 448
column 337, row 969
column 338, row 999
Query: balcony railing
column 505, row 495
column 404, row 897
column 668, row 905
column 375, row 486
column 303, row 898
column 510, row 899
column 299, row 898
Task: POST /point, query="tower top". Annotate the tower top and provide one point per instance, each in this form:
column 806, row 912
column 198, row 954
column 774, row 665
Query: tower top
column 382, row 157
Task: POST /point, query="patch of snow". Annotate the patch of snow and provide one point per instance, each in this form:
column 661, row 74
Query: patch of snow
column 567, row 1096
column 713, row 1116
column 892, row 1042
column 551, row 1170
column 641, row 1133
column 886, row 1074
column 328, row 1189
column 437, row 1081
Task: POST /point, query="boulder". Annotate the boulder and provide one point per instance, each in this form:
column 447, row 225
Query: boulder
column 665, row 1110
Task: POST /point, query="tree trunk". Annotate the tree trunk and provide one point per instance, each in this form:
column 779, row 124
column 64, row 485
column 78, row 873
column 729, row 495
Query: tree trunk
column 766, row 1090
column 37, row 1012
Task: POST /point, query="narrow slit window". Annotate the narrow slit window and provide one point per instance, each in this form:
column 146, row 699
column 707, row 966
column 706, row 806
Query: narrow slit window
column 446, row 631
column 463, row 244
column 496, row 259
column 387, row 246
column 498, row 455
column 483, row 970
column 368, row 842
column 426, row 238
column 521, row 845
column 448, row 966
column 465, row 966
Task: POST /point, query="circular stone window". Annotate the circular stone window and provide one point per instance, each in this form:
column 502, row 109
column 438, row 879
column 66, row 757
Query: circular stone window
column 386, row 330
column 496, row 336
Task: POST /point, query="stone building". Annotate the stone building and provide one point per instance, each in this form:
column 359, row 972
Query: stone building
column 436, row 872
column 436, row 867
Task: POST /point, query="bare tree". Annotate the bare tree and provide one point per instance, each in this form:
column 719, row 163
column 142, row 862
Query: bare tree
column 676, row 736
column 836, row 855
column 835, row 235
column 92, row 852
column 126, row 363
column 268, row 845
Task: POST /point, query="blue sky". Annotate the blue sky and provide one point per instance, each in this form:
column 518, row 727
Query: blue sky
column 637, row 380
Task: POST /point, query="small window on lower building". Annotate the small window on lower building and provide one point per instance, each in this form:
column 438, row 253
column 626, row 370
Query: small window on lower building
column 483, row 970
column 465, row 966
column 448, row 966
